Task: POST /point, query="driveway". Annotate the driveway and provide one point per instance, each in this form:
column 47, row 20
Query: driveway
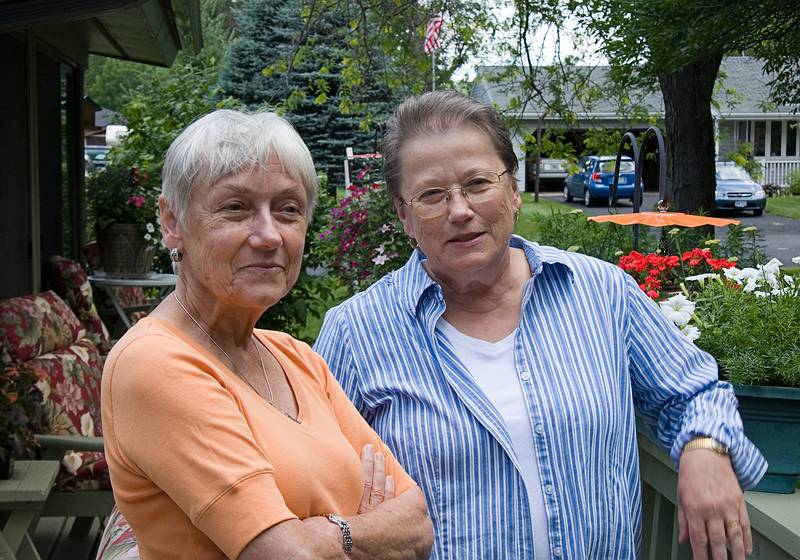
column 781, row 236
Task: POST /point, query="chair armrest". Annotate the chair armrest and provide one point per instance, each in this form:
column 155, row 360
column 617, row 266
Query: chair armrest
column 75, row 443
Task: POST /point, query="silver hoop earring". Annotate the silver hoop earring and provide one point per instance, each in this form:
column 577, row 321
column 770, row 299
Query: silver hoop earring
column 175, row 255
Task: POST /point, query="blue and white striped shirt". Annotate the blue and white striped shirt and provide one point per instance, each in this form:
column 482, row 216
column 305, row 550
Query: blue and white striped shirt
column 590, row 347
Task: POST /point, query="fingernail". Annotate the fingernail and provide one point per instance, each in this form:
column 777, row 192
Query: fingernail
column 379, row 456
column 367, row 449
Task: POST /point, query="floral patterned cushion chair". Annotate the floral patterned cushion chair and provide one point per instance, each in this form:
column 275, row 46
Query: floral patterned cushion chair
column 72, row 284
column 40, row 331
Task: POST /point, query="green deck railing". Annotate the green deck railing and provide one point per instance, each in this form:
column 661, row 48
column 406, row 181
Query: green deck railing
column 775, row 518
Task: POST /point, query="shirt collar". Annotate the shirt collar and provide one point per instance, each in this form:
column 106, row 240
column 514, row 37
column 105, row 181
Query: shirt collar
column 414, row 282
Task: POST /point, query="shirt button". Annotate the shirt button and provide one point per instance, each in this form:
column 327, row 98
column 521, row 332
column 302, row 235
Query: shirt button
column 539, row 429
column 549, row 489
column 557, row 551
column 525, row 376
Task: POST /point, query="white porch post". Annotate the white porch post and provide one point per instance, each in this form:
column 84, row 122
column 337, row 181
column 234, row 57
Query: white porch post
column 516, row 141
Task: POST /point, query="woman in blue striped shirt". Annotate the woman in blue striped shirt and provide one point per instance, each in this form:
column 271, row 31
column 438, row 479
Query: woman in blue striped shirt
column 505, row 375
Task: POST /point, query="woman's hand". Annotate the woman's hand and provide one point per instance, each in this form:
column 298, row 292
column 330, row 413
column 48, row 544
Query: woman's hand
column 377, row 486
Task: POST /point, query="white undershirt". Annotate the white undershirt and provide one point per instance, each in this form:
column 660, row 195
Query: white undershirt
column 492, row 366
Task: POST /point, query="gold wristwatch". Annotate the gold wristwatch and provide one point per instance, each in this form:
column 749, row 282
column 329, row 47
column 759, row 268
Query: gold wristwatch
column 706, row 443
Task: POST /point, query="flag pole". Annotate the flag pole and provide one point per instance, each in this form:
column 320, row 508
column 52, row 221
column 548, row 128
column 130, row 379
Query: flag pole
column 433, row 68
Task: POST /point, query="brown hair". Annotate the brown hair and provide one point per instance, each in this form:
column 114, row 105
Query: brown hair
column 437, row 112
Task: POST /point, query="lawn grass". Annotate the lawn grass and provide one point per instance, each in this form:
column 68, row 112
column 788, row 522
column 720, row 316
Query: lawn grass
column 786, row 206
column 527, row 225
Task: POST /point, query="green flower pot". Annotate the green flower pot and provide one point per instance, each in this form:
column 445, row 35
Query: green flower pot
column 771, row 418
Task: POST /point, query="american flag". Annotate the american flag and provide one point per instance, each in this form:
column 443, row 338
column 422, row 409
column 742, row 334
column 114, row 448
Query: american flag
column 432, row 34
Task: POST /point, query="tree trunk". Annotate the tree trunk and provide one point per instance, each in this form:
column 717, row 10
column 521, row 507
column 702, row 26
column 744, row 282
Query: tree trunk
column 690, row 134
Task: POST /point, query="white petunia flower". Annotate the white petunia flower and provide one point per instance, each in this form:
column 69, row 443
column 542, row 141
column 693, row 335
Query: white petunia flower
column 691, row 332
column 677, row 309
column 702, row 277
column 796, row 260
column 380, row 259
column 772, row 267
column 150, row 228
column 733, row 274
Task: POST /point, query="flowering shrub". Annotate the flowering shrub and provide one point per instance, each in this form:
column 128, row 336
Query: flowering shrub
column 123, row 195
column 656, row 273
column 362, row 239
column 747, row 319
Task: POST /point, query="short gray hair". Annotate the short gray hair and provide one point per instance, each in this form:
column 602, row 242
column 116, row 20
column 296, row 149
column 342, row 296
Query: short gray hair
column 227, row 142
column 437, row 112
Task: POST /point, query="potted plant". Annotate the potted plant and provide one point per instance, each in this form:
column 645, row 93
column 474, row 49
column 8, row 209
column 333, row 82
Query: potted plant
column 21, row 415
column 748, row 320
column 124, row 208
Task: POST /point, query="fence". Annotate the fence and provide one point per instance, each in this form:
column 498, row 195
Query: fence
column 776, row 171
column 774, row 517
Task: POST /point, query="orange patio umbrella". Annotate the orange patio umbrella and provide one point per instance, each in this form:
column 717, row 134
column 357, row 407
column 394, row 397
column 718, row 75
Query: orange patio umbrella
column 663, row 218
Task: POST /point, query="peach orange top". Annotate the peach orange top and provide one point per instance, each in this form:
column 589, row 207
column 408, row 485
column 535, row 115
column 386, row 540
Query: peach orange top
column 201, row 464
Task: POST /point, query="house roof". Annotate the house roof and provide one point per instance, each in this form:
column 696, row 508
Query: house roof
column 149, row 31
column 744, row 92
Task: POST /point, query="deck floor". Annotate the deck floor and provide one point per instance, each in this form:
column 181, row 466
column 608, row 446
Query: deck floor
column 53, row 541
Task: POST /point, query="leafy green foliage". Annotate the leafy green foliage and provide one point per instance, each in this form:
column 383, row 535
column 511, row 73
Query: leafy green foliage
column 113, row 83
column 793, row 180
column 754, row 338
column 742, row 155
column 21, row 410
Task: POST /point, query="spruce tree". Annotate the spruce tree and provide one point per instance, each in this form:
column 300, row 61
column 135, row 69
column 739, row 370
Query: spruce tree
column 280, row 62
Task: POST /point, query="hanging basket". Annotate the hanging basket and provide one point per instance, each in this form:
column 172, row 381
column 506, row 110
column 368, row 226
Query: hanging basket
column 124, row 251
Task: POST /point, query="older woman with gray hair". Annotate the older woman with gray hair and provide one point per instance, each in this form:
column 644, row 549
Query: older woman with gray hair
column 505, row 375
column 223, row 439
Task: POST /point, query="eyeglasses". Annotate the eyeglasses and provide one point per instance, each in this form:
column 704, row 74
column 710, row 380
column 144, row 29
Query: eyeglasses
column 476, row 189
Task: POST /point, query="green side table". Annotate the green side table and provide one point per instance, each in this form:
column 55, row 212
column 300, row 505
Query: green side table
column 22, row 498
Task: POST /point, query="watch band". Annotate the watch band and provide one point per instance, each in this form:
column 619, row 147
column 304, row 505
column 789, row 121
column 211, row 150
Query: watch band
column 706, row 443
column 347, row 539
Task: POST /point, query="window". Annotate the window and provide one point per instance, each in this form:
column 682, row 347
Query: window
column 742, row 129
column 791, row 138
column 775, row 138
column 759, row 138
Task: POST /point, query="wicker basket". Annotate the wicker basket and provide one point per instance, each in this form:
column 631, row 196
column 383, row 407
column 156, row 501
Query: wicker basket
column 124, row 250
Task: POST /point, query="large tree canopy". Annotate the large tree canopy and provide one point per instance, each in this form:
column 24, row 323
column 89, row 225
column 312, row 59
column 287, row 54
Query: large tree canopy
column 675, row 45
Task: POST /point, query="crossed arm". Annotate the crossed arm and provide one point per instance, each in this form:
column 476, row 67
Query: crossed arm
column 386, row 527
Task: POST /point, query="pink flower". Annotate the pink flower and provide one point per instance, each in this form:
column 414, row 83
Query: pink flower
column 137, row 200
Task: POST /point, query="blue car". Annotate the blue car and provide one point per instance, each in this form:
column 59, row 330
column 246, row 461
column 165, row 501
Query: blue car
column 736, row 190
column 594, row 177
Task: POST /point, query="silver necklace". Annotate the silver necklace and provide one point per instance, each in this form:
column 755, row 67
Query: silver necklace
column 221, row 349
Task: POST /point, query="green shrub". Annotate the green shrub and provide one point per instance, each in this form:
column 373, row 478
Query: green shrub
column 752, row 334
column 793, row 180
column 572, row 231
